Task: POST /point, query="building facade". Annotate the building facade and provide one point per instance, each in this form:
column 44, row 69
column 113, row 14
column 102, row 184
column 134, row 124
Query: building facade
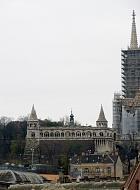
column 101, row 166
column 101, row 136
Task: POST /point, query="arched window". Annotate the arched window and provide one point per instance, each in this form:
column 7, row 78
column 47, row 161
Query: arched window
column 88, row 134
column 46, row 134
column 78, row 134
column 94, row 134
column 62, row 134
column 97, row 170
column 101, row 134
column 73, row 134
column 33, row 134
column 67, row 134
column 57, row 134
column 83, row 134
column 41, row 134
column 51, row 134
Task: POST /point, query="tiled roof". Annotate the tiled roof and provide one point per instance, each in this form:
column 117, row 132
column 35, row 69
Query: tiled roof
column 131, row 176
column 94, row 158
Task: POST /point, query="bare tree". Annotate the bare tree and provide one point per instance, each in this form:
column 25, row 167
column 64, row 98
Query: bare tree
column 5, row 120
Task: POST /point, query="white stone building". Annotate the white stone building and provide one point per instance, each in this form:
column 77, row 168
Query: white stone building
column 102, row 136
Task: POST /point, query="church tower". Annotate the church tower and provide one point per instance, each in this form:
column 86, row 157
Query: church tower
column 126, row 109
column 131, row 65
column 101, row 122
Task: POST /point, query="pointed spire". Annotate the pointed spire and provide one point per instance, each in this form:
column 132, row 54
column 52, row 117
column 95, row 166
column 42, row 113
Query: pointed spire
column 71, row 114
column 101, row 115
column 101, row 122
column 33, row 115
column 134, row 42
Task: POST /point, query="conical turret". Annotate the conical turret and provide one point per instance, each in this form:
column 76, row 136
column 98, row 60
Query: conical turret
column 33, row 115
column 134, row 42
column 101, row 122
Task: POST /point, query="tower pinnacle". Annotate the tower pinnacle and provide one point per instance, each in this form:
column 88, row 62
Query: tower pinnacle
column 133, row 43
column 101, row 122
column 33, row 115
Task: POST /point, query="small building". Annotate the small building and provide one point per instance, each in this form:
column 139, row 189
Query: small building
column 133, row 180
column 93, row 166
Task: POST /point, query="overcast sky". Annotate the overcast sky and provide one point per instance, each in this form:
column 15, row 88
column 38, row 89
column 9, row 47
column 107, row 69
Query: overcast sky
column 63, row 54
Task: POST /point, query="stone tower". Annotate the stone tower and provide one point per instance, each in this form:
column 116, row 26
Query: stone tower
column 31, row 152
column 33, row 125
column 101, row 122
column 105, row 142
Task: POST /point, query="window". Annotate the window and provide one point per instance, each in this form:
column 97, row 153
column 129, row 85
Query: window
column 86, row 170
column 57, row 134
column 32, row 134
column 41, row 134
column 52, row 134
column 67, row 134
column 94, row 134
column 114, row 136
column 78, row 134
column 109, row 171
column 73, row 134
column 46, row 134
column 97, row 170
column 83, row 134
column 62, row 134
column 101, row 134
column 88, row 134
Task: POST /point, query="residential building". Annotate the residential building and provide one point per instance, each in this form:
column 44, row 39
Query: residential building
column 92, row 166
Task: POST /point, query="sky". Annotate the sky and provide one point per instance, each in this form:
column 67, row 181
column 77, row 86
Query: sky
column 63, row 54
